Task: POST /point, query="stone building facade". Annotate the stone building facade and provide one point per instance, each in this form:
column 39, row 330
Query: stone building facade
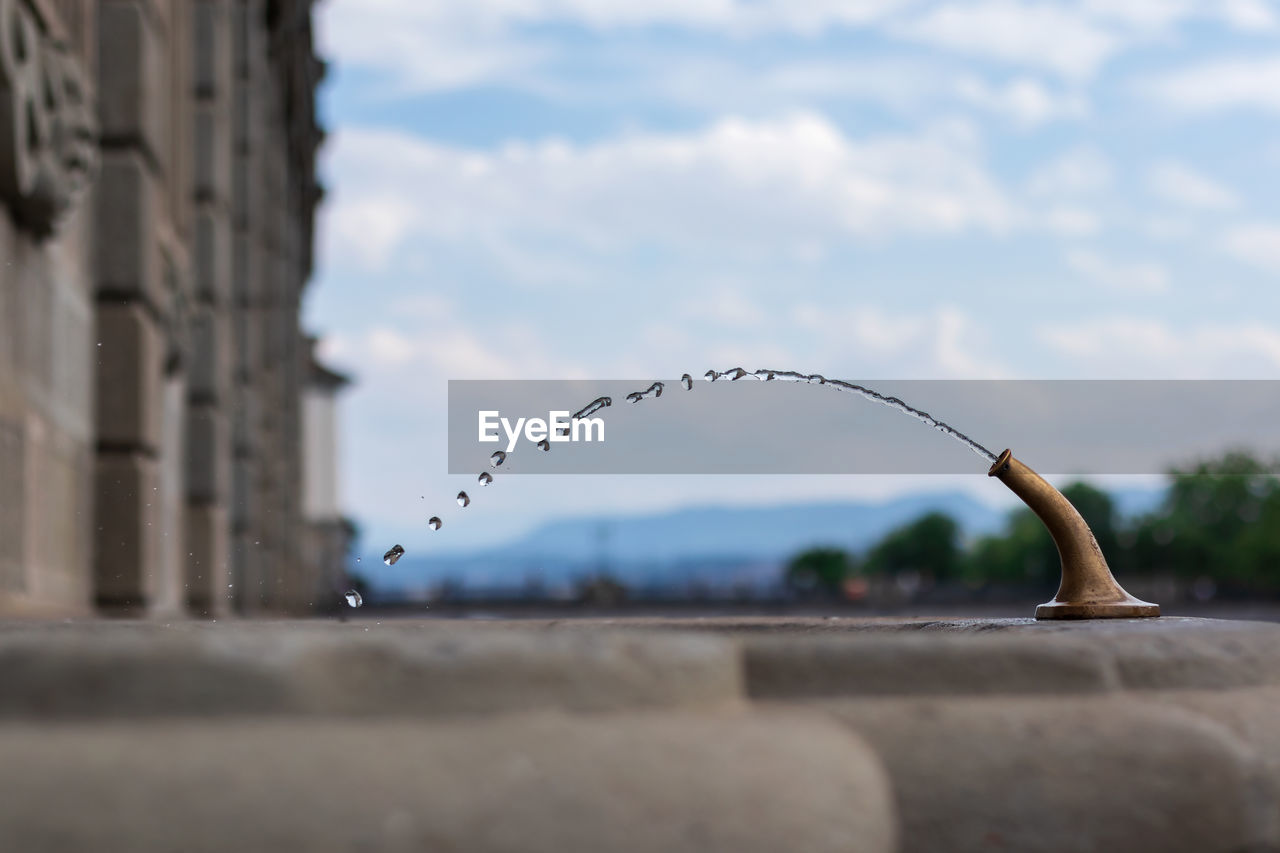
column 157, row 174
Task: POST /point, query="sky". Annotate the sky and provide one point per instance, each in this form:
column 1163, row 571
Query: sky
column 868, row 189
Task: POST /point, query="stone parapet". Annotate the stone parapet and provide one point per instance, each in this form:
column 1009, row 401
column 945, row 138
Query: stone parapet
column 804, row 734
column 546, row 781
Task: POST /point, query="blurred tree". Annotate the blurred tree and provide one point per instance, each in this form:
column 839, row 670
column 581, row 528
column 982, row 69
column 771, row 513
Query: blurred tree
column 930, row 545
column 1026, row 553
column 819, row 570
column 1220, row 519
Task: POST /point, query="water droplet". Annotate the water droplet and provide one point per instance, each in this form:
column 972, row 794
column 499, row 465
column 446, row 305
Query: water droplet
column 711, row 376
column 353, row 598
column 485, row 478
column 654, row 390
column 591, row 408
column 463, row 500
column 498, row 457
column 393, row 556
column 688, row 382
column 544, row 445
column 357, row 559
column 738, row 373
column 434, row 522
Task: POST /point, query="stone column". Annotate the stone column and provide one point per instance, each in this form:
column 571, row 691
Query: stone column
column 245, row 124
column 209, row 445
column 141, row 305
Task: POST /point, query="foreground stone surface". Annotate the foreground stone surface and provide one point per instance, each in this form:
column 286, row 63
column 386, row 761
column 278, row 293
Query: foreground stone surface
column 301, row 669
column 641, row 734
column 1049, row 774
column 536, row 782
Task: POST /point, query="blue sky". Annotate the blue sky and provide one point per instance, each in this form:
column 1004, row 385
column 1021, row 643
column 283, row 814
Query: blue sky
column 862, row 188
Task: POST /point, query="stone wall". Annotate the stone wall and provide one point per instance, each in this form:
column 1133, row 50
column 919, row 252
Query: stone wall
column 151, row 362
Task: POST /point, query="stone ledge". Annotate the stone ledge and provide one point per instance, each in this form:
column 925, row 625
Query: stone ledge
column 122, row 670
column 831, row 656
column 1065, row 774
column 539, row 782
column 780, row 667
column 998, row 660
column 446, row 667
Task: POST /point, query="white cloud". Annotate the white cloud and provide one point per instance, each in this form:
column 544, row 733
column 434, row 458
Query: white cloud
column 1182, row 185
column 943, row 342
column 1257, row 244
column 1071, row 221
column 1166, row 229
column 388, row 348
column 443, row 44
column 431, row 336
column 1142, row 277
column 1083, row 170
column 1037, row 35
column 912, row 86
column 418, row 46
column 1142, row 15
column 725, row 305
column 1224, row 84
column 1248, row 15
column 1134, row 347
column 1153, row 18
column 764, row 188
column 1025, row 101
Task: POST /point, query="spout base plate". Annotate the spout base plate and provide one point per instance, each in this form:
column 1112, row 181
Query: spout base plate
column 1131, row 609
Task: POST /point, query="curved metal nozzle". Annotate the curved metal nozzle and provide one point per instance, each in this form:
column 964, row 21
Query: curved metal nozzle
column 1088, row 590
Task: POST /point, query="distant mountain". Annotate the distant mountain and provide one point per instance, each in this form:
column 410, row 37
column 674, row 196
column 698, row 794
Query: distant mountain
column 716, row 548
column 752, row 532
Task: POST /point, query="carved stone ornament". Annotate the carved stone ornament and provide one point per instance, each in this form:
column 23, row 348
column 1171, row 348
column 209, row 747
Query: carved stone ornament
column 47, row 130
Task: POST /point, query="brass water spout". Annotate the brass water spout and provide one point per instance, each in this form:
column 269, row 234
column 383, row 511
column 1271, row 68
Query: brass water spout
column 1088, row 591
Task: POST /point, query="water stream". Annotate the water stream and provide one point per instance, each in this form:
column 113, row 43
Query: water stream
column 734, row 374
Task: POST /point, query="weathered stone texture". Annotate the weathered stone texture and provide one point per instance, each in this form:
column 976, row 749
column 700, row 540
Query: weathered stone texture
column 208, row 470
column 131, row 76
column 126, row 512
column 208, row 565
column 546, row 782
column 127, row 257
column 1061, row 774
column 781, row 666
column 629, row 734
column 130, row 386
column 123, row 292
column 114, row 670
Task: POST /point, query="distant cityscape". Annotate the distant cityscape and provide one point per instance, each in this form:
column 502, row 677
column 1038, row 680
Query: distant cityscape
column 698, row 553
column 1196, row 539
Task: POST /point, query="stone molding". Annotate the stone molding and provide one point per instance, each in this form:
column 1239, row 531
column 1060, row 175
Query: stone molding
column 47, row 126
